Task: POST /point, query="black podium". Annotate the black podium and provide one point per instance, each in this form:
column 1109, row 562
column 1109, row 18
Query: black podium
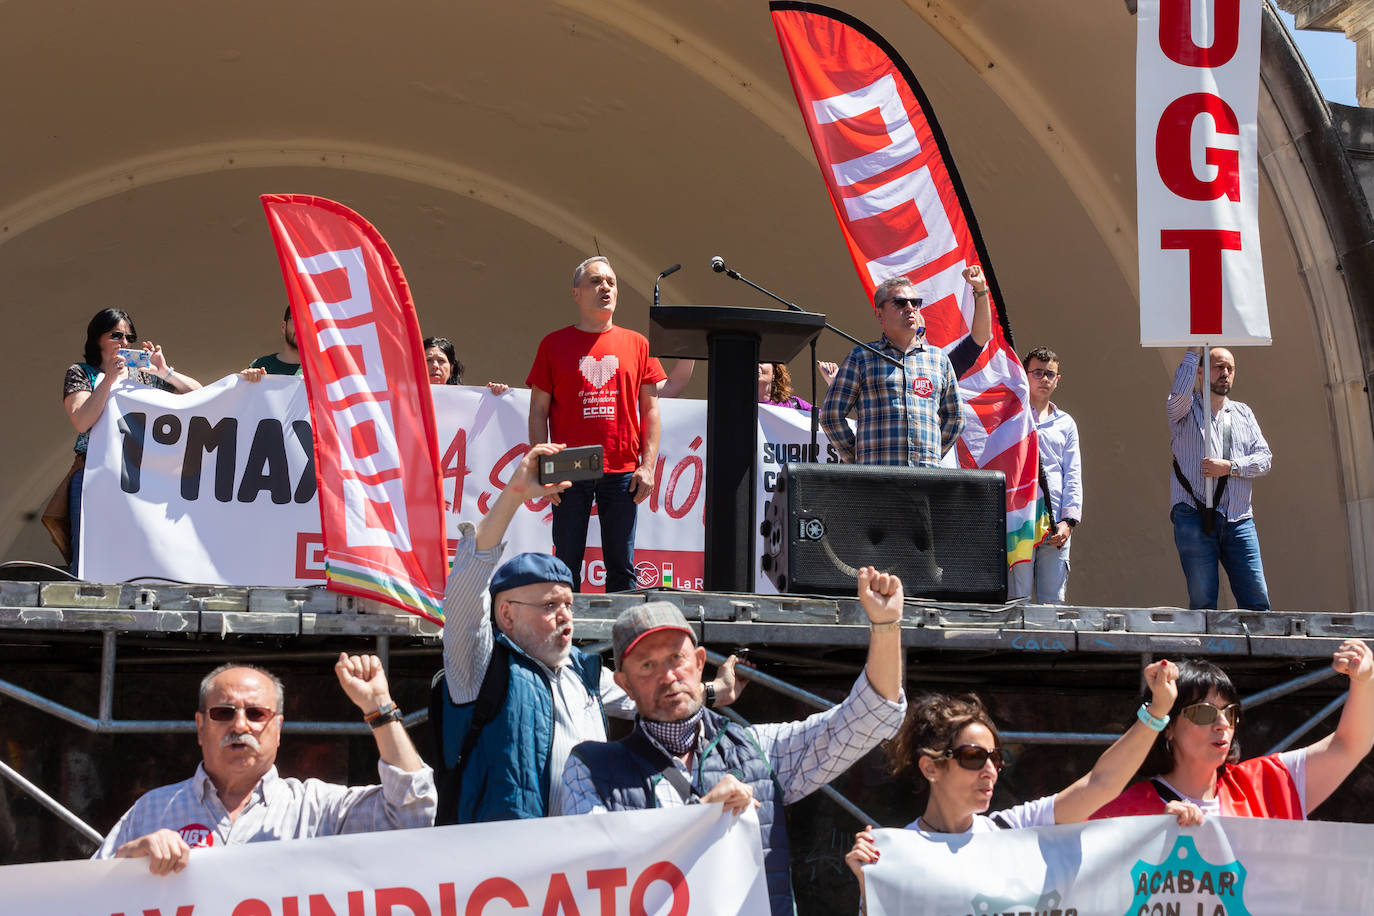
column 734, row 341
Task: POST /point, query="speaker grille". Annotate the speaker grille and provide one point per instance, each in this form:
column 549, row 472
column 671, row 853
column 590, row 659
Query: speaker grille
column 943, row 531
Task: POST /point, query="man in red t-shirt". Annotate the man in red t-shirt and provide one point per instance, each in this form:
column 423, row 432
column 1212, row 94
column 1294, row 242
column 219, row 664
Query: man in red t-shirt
column 593, row 383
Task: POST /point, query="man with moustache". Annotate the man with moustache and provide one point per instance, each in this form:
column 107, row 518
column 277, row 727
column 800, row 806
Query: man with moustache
column 1216, row 457
column 681, row 753
column 236, row 796
column 908, row 416
column 593, row 383
column 518, row 699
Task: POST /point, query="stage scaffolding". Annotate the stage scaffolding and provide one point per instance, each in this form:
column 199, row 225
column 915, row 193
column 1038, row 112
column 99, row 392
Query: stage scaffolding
column 805, row 636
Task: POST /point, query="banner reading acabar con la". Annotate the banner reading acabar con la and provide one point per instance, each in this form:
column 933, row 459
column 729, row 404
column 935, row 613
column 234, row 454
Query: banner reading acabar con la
column 216, row 486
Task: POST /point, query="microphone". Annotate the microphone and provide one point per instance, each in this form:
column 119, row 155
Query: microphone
column 671, row 270
column 718, row 264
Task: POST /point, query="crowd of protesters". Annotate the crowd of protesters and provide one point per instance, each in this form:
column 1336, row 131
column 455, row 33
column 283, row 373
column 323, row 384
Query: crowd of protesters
column 508, row 639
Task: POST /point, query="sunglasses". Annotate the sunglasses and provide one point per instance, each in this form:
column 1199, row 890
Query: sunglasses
column 226, row 713
column 121, row 337
column 973, row 757
column 1048, row 375
column 902, row 303
column 1206, row 713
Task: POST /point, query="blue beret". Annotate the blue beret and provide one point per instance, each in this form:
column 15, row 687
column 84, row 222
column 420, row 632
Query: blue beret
column 528, row 569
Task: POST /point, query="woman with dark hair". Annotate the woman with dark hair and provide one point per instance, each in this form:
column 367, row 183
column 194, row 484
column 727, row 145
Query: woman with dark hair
column 442, row 361
column 87, row 385
column 775, row 384
column 1195, row 757
column 953, row 743
column 445, row 368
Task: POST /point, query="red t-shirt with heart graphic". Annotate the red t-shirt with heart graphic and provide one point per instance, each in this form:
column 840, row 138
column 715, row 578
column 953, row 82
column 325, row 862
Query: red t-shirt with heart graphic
column 593, row 380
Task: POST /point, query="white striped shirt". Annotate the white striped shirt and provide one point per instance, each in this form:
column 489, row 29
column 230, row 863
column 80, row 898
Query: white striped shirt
column 1249, row 452
column 468, row 641
column 279, row 809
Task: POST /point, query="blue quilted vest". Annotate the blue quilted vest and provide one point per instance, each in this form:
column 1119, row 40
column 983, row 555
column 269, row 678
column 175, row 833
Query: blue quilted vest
column 625, row 781
column 507, row 774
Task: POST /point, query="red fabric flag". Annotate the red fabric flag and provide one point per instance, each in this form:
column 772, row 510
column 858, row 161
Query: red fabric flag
column 377, row 459
column 904, row 212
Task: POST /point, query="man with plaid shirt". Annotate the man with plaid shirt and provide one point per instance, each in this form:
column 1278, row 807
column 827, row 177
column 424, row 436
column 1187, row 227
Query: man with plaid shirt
column 907, row 416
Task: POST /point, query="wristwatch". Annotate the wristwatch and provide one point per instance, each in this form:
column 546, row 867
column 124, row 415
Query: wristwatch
column 1235, row 469
column 710, row 695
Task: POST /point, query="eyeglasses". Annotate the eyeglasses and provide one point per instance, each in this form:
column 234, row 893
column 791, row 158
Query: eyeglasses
column 226, row 713
column 121, row 337
column 1206, row 713
column 902, row 303
column 1048, row 375
column 973, row 757
column 549, row 608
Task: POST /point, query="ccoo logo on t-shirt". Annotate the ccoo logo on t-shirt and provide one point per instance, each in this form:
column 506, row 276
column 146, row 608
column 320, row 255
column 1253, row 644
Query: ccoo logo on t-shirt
column 923, row 387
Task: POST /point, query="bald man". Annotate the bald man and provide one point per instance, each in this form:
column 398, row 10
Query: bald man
column 1215, row 460
column 236, row 795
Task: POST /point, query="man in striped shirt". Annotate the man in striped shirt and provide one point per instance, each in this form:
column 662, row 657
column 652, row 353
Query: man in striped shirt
column 908, row 415
column 1215, row 459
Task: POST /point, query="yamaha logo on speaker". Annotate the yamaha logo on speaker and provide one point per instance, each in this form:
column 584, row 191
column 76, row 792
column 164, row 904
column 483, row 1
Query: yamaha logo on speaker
column 810, row 529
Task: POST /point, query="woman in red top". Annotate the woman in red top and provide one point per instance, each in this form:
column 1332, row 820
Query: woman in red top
column 1195, row 757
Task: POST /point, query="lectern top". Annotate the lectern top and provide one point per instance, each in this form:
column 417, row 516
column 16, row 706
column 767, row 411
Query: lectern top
column 685, row 331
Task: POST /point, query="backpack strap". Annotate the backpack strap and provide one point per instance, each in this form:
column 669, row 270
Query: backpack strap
column 1165, row 793
column 639, row 744
column 491, row 697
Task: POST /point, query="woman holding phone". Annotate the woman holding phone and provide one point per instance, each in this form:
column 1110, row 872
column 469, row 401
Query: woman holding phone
column 111, row 344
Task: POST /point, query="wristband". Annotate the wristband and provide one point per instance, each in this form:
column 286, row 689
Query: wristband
column 710, row 695
column 890, row 627
column 980, row 292
column 1151, row 721
column 384, row 714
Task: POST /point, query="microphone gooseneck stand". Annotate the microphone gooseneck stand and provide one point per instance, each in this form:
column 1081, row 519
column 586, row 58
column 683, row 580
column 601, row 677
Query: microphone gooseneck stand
column 718, row 265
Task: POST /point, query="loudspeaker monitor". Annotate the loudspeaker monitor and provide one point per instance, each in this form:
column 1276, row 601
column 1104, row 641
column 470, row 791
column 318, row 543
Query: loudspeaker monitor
column 942, row 530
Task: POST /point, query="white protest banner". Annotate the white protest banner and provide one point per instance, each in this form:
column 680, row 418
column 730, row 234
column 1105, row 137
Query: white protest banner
column 690, row 861
column 1128, row 866
column 216, row 486
column 1197, row 173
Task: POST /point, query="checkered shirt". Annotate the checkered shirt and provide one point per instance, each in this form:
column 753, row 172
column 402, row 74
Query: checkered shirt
column 914, row 437
column 805, row 755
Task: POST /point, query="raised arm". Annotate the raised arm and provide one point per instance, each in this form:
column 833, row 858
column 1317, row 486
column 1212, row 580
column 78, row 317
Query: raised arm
column 1114, row 769
column 1332, row 759
column 981, row 329
column 1180, row 399
column 364, row 682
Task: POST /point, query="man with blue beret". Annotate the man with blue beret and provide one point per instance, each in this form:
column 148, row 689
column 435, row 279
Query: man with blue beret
column 521, row 696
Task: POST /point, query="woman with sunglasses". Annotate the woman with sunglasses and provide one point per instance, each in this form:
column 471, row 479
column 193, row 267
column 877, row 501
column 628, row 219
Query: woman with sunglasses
column 1195, row 757
column 87, row 385
column 953, row 743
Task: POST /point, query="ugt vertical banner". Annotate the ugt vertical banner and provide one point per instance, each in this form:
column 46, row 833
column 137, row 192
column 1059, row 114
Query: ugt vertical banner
column 377, row 459
column 1197, row 173
column 904, row 212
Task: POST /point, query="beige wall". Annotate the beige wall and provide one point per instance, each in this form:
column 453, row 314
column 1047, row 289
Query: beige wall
column 495, row 145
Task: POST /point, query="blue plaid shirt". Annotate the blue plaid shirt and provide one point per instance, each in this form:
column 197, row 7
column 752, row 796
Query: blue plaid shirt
column 916, row 437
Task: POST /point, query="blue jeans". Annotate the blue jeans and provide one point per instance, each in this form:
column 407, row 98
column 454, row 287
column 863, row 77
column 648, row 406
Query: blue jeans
column 1234, row 544
column 617, row 509
column 74, row 511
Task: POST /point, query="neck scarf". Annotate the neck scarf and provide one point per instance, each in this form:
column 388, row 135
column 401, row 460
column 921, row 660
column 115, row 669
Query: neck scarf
column 677, row 738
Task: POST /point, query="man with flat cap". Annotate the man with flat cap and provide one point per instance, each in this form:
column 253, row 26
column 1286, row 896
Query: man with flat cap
column 680, row 752
column 518, row 699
